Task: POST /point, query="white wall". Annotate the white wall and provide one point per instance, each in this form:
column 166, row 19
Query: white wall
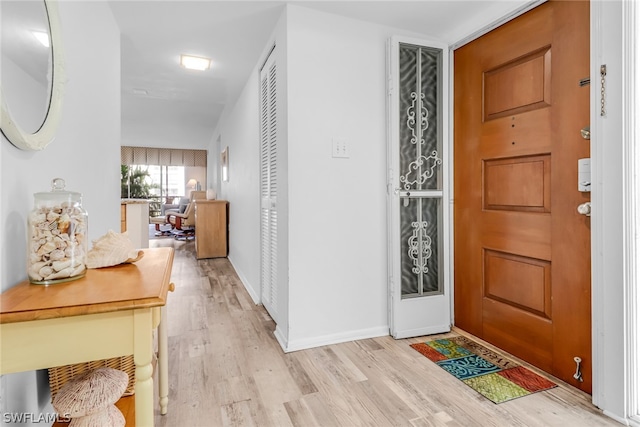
column 238, row 129
column 199, row 173
column 89, row 130
column 213, row 165
column 240, row 134
column 335, row 253
column 337, row 209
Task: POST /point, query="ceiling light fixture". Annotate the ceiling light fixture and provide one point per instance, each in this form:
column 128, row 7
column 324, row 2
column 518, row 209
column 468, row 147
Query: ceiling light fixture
column 42, row 37
column 195, row 62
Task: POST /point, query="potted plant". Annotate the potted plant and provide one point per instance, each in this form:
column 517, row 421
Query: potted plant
column 134, row 183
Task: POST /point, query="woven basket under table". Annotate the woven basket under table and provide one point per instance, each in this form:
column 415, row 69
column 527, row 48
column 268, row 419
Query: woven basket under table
column 58, row 376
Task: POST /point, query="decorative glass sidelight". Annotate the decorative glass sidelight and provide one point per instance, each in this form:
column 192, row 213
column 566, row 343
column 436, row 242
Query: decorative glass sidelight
column 420, row 220
column 420, row 170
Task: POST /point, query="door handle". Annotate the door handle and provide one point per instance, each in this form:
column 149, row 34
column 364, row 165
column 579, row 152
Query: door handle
column 405, row 202
column 400, row 190
column 585, row 209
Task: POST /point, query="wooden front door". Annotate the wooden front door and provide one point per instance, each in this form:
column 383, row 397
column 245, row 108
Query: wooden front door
column 521, row 249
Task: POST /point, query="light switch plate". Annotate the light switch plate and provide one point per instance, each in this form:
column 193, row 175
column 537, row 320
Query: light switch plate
column 340, row 148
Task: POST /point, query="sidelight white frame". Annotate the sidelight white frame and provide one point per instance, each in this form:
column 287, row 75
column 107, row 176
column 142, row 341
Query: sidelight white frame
column 437, row 317
column 631, row 207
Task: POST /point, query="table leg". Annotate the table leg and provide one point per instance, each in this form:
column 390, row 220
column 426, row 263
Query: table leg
column 143, row 342
column 163, row 362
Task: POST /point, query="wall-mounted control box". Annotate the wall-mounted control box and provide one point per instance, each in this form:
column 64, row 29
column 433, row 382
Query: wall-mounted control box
column 584, row 175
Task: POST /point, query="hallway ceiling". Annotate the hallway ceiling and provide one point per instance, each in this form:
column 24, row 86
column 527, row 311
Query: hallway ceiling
column 165, row 105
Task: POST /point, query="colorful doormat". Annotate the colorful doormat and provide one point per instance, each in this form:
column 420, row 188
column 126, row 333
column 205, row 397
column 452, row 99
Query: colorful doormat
column 493, row 376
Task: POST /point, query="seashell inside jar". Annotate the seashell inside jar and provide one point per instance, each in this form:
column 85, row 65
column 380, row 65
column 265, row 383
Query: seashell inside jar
column 57, row 245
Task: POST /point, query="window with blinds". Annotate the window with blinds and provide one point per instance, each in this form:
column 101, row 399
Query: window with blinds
column 162, row 156
column 159, row 174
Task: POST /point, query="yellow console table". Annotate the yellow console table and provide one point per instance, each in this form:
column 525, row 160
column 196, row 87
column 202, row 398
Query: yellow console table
column 110, row 312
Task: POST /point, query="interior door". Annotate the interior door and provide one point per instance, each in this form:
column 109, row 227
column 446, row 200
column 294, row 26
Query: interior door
column 269, row 188
column 521, row 249
column 420, row 299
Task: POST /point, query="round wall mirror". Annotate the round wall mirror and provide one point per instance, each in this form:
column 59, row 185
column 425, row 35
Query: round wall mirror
column 31, row 85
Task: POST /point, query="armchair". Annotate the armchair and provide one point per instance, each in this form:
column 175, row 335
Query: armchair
column 182, row 221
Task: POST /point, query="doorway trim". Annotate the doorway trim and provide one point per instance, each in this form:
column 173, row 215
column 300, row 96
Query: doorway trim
column 493, row 25
column 616, row 303
column 631, row 206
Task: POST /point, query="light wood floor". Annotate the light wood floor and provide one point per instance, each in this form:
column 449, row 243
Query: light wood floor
column 226, row 369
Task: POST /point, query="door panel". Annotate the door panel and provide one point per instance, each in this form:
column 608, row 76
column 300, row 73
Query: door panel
column 517, row 184
column 532, row 277
column 522, row 252
column 533, row 341
column 518, row 86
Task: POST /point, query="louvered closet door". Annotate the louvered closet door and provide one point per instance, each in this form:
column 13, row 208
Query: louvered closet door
column 269, row 188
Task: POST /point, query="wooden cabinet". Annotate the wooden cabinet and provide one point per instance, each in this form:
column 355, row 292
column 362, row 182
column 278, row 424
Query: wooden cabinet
column 211, row 228
column 123, row 218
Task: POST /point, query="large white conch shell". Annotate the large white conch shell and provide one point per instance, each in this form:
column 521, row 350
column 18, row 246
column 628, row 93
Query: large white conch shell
column 112, row 249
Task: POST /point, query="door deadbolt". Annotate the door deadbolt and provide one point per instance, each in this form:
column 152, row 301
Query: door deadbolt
column 585, row 132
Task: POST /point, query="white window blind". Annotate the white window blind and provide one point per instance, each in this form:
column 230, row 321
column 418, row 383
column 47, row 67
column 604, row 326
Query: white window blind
column 162, row 156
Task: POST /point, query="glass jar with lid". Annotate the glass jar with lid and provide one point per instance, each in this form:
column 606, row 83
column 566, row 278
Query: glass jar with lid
column 57, row 232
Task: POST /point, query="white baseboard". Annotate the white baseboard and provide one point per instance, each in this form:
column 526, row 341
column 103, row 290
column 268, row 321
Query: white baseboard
column 255, row 297
column 439, row 329
column 621, row 420
column 305, row 343
column 280, row 338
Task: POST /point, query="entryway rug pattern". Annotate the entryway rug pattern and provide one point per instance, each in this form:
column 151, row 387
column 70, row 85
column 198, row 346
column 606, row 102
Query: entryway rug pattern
column 493, row 376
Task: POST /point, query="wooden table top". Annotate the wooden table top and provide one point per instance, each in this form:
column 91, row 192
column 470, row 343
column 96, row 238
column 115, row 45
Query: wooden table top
column 144, row 283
